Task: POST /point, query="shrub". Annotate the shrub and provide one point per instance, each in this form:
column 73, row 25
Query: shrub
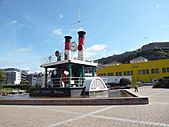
column 21, row 86
column 162, row 83
column 124, row 81
column 24, row 82
column 1, row 86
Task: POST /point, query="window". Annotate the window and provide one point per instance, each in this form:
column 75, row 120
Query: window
column 157, row 70
column 143, row 72
column 139, row 72
column 104, row 74
column 128, row 73
column 116, row 73
column 167, row 69
column 120, row 73
column 110, row 74
column 152, row 71
column 164, row 70
column 125, row 73
column 147, row 71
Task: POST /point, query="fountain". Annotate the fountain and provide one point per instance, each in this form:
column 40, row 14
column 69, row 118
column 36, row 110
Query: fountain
column 72, row 81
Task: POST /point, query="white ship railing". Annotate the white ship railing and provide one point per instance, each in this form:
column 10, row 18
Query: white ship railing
column 66, row 82
column 53, row 58
column 48, row 59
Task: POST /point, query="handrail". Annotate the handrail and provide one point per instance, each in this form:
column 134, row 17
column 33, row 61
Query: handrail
column 52, row 58
column 66, row 82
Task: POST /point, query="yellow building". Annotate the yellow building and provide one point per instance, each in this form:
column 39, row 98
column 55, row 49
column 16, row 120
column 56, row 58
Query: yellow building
column 142, row 71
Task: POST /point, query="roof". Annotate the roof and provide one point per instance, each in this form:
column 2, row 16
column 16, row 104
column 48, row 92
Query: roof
column 63, row 62
column 139, row 58
column 113, row 63
column 11, row 69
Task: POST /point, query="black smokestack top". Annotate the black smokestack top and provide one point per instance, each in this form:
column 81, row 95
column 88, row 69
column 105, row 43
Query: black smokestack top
column 67, row 42
column 68, row 38
column 81, row 34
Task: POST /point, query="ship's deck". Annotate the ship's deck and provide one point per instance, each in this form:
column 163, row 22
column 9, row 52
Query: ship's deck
column 73, row 61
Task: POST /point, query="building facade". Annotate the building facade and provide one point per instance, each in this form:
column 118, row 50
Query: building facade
column 138, row 59
column 114, row 79
column 24, row 74
column 13, row 76
column 141, row 71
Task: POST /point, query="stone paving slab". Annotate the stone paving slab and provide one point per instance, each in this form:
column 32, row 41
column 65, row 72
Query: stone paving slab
column 31, row 116
column 74, row 109
column 155, row 114
column 98, row 122
column 108, row 122
column 150, row 113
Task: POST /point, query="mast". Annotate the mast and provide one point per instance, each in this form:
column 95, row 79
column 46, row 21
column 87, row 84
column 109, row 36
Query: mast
column 79, row 19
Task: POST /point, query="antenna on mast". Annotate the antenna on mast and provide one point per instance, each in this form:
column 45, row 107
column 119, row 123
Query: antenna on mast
column 79, row 20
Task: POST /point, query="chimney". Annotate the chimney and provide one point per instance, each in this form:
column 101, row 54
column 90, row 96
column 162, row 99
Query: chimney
column 67, row 47
column 81, row 40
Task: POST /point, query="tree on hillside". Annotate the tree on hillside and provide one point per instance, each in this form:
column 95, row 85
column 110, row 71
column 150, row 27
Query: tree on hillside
column 2, row 76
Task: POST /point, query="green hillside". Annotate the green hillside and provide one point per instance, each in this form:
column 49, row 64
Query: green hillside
column 153, row 54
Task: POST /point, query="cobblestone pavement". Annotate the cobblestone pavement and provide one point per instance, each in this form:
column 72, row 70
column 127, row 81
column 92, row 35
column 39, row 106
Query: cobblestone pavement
column 155, row 114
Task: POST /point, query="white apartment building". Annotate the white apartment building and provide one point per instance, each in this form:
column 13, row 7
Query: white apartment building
column 13, row 75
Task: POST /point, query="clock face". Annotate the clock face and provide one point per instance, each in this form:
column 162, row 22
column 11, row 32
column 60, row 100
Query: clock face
column 73, row 46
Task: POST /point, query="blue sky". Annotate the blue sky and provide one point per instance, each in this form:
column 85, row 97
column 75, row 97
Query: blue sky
column 32, row 29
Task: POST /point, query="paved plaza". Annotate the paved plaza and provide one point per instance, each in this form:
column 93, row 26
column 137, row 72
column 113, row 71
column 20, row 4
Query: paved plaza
column 155, row 114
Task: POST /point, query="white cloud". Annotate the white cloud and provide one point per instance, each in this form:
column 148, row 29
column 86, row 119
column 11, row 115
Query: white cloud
column 22, row 64
column 61, row 16
column 164, row 26
column 157, row 6
column 45, row 42
column 4, row 63
column 25, row 49
column 57, row 32
column 13, row 22
column 98, row 51
column 96, row 48
column 95, row 51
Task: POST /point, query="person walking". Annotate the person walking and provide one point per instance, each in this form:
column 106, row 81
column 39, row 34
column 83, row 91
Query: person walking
column 136, row 88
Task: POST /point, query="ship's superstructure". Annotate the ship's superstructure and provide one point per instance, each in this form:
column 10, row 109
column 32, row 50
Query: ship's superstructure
column 70, row 76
